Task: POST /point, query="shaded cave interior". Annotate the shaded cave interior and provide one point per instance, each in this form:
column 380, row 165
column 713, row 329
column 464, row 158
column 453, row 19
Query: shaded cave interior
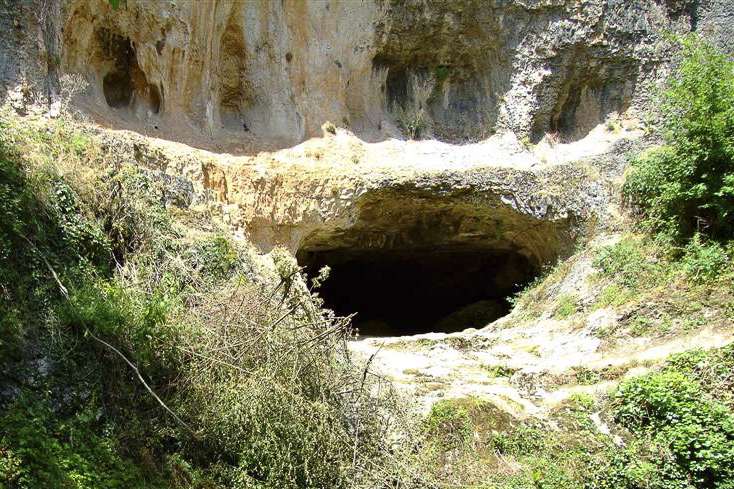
column 409, row 291
column 412, row 264
column 125, row 85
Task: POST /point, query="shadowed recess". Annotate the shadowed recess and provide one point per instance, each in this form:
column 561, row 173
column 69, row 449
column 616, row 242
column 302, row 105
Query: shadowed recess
column 413, row 261
column 399, row 292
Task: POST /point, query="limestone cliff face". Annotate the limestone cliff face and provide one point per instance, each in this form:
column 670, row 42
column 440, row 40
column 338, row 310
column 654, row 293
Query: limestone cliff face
column 245, row 76
column 233, row 73
column 248, row 77
column 253, row 75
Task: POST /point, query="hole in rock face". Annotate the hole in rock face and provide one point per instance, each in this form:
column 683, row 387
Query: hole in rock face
column 117, row 84
column 125, row 84
column 409, row 291
column 118, row 89
column 413, row 260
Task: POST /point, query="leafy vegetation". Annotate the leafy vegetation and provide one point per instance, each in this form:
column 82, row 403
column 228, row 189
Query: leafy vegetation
column 679, row 424
column 671, row 408
column 672, row 428
column 683, row 193
column 38, row 449
column 139, row 353
column 665, row 288
column 687, row 186
column 566, row 306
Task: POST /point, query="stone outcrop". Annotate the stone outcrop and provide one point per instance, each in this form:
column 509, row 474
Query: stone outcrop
column 244, row 76
column 339, row 193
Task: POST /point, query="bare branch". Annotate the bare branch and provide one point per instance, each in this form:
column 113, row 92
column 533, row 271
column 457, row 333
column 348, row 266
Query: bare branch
column 145, row 384
column 63, row 289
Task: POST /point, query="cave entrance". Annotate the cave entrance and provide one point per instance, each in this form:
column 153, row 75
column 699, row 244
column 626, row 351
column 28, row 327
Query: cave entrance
column 409, row 291
column 408, row 260
column 125, row 85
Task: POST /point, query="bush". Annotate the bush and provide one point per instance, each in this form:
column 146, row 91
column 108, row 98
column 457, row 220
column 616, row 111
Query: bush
column 132, row 211
column 449, row 424
column 132, row 321
column 216, row 257
column 523, row 440
column 711, row 368
column 688, row 185
column 704, row 261
column 626, row 261
column 37, row 450
column 698, row 432
column 566, row 306
column 270, row 386
column 644, row 463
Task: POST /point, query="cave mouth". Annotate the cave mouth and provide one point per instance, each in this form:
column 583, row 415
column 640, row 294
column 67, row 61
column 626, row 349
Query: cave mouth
column 397, row 292
column 125, row 85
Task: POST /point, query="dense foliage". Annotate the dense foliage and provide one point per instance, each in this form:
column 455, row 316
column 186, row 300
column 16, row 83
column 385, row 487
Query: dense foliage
column 137, row 352
column 687, row 186
column 684, row 428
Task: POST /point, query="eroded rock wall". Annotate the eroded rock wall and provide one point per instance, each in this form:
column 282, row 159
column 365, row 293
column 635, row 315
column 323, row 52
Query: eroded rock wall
column 337, row 193
column 230, row 74
column 244, row 76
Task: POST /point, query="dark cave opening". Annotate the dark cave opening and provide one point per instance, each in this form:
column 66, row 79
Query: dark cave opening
column 125, row 84
column 117, row 84
column 409, row 291
column 117, row 88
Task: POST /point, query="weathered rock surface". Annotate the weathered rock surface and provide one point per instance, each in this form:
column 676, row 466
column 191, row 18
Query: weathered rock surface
column 338, row 192
column 247, row 76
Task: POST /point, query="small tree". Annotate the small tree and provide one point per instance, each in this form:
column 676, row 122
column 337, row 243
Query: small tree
column 687, row 186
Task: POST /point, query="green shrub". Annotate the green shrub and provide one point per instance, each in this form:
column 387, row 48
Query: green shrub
column 44, row 241
column 711, row 368
column 271, row 390
column 523, row 440
column 613, row 295
column 698, row 432
column 132, row 211
column 704, row 261
column 642, row 464
column 216, row 257
column 627, row 262
column 38, row 449
column 441, row 73
column 130, row 320
column 688, row 186
column 566, row 306
column 449, row 424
